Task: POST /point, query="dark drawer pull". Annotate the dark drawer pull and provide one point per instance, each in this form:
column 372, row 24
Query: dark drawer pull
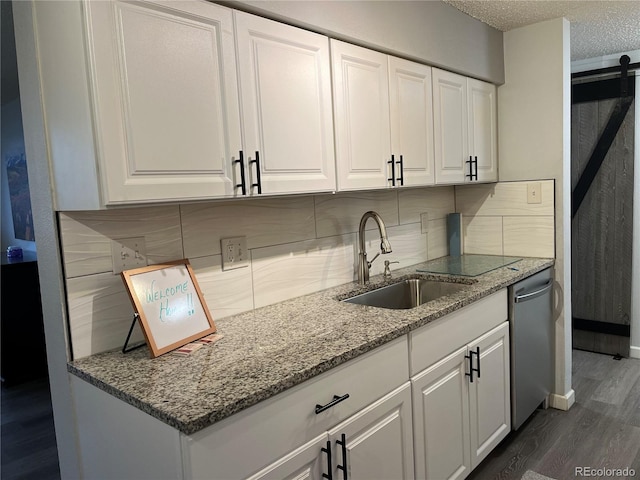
column 335, row 401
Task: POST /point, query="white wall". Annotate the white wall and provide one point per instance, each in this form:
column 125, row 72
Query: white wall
column 11, row 144
column 534, row 130
column 49, row 262
column 432, row 32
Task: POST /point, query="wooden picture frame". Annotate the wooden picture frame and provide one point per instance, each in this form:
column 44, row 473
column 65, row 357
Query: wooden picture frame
column 169, row 304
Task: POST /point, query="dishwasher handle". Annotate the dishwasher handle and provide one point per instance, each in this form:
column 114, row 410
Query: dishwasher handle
column 522, row 295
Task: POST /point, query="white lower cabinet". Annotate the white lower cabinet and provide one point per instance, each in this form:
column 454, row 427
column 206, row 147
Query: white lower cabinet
column 441, row 419
column 367, row 399
column 376, row 442
column 303, row 463
column 408, row 409
column 461, row 407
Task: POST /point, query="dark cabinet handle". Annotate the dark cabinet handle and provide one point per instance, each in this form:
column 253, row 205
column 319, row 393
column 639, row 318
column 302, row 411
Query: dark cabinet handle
column 242, row 184
column 393, row 171
column 327, row 450
column 470, row 177
column 258, row 180
column 401, row 177
column 343, row 467
column 475, row 352
column 471, row 370
column 473, row 173
column 335, row 401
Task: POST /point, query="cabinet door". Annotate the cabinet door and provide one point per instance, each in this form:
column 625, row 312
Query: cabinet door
column 489, row 394
column 481, row 98
column 308, row 462
column 285, row 85
column 165, row 99
column 411, row 104
column 441, row 419
column 361, row 105
column 378, row 440
column 450, row 126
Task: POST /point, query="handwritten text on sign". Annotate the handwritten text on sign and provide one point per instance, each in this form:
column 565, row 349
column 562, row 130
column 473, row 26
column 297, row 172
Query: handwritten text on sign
column 166, row 296
column 170, row 304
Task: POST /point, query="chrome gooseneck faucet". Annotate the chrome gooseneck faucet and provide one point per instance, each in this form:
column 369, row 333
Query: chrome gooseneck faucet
column 385, row 246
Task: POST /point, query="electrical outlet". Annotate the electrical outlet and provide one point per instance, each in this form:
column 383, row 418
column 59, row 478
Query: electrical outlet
column 128, row 253
column 534, row 193
column 234, row 252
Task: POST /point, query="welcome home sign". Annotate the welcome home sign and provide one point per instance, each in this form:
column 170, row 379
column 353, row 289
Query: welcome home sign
column 169, row 304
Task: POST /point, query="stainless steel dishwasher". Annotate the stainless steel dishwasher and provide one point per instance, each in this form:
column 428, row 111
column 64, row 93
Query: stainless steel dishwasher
column 531, row 322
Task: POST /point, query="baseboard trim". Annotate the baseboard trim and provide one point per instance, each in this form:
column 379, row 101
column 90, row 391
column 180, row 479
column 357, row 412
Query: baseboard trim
column 562, row 402
column 634, row 352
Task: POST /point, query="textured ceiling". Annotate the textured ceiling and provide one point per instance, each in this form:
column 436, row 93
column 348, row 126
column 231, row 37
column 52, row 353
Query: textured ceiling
column 598, row 28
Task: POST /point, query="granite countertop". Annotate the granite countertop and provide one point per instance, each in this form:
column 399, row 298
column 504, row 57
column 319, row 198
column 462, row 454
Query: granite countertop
column 265, row 351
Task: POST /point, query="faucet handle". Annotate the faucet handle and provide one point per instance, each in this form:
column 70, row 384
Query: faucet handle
column 387, row 270
column 372, row 260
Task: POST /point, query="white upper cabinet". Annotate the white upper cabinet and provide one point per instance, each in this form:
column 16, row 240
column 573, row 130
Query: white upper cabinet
column 182, row 103
column 465, row 128
column 483, row 141
column 450, row 126
column 156, row 101
column 361, row 105
column 165, row 99
column 411, row 105
column 285, row 85
column 384, row 119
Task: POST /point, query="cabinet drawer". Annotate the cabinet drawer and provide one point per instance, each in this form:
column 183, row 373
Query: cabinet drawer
column 438, row 339
column 249, row 440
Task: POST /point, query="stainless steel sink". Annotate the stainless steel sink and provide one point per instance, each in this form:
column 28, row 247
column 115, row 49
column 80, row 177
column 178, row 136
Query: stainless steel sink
column 407, row 294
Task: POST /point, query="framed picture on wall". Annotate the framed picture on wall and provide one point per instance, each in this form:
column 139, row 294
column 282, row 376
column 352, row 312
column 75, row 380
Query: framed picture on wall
column 169, row 304
column 20, row 199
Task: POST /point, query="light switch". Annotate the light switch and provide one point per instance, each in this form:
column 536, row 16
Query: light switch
column 534, row 193
column 424, row 223
column 128, row 253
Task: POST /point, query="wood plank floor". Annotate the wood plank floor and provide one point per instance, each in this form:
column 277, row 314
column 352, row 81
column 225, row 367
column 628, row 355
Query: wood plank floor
column 27, row 436
column 601, row 430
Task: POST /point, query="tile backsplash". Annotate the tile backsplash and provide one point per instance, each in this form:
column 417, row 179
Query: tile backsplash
column 297, row 245
column 498, row 220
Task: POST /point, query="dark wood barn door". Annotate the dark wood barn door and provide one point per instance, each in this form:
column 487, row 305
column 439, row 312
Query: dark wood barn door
column 602, row 145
